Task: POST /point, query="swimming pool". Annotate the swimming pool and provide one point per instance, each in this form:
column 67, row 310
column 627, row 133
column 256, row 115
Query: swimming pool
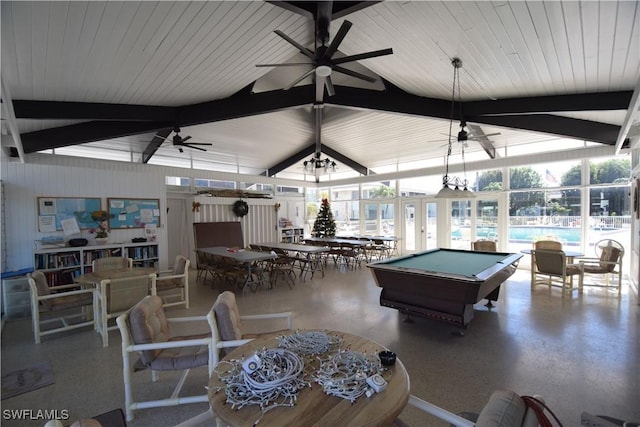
column 527, row 234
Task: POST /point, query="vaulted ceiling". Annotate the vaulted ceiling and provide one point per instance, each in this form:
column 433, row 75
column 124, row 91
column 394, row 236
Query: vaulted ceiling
column 121, row 75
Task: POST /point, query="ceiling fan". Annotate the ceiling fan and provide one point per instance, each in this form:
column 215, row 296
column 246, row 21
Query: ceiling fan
column 179, row 141
column 464, row 135
column 323, row 61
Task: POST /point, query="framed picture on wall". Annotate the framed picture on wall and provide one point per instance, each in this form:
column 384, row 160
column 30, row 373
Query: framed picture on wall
column 133, row 213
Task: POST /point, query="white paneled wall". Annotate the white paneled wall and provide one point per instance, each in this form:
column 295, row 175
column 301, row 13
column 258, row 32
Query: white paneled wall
column 60, row 176
column 25, row 182
column 259, row 225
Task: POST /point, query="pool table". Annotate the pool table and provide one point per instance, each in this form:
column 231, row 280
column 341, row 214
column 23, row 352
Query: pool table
column 443, row 284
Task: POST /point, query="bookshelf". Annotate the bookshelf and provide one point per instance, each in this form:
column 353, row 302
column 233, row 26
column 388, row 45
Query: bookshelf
column 61, row 265
column 291, row 235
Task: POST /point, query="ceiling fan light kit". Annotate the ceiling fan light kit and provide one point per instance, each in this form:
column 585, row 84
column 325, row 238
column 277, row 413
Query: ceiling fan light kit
column 323, row 61
column 455, row 187
column 323, row 71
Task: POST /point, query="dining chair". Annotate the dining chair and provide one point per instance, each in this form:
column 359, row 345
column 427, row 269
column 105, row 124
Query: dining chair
column 227, row 324
column 282, row 266
column 111, row 263
column 608, row 262
column 174, row 284
column 146, row 334
column 553, row 245
column 484, row 246
column 505, row 408
column 59, row 304
column 115, row 296
column 551, row 269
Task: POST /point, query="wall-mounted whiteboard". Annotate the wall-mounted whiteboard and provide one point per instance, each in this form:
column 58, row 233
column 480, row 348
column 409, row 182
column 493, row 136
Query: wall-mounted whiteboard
column 133, row 213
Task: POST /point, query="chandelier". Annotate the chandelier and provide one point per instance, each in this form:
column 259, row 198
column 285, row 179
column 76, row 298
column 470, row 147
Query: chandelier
column 454, row 187
column 316, row 164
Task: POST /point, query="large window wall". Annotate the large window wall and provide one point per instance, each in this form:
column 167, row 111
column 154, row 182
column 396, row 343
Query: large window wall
column 578, row 202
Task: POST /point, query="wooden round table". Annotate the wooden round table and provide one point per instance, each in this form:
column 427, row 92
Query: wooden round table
column 115, row 273
column 314, row 407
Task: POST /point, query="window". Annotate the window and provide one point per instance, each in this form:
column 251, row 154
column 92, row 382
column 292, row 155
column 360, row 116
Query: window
column 379, row 190
column 212, row 183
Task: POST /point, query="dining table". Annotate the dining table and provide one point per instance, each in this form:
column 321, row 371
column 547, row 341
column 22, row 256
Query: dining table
column 246, row 259
column 314, row 407
column 95, row 277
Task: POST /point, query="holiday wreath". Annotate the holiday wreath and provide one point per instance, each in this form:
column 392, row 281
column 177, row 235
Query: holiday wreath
column 240, row 208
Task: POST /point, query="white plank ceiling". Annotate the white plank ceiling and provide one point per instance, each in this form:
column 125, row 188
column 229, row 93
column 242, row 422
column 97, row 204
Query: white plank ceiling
column 175, row 54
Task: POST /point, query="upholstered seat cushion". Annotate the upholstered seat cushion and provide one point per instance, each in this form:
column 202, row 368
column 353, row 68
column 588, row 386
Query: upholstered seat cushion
column 69, row 301
column 504, row 409
column 573, row 269
column 228, row 317
column 59, row 303
column 173, row 283
column 148, row 324
column 608, row 261
column 172, row 359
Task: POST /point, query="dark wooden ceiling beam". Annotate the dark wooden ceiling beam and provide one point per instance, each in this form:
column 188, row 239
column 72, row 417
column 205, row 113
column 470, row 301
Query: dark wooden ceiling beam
column 335, row 155
column 82, row 133
column 309, row 9
column 546, row 104
column 565, row 126
column 54, row 110
column 292, row 160
column 309, row 151
column 244, row 104
column 396, row 100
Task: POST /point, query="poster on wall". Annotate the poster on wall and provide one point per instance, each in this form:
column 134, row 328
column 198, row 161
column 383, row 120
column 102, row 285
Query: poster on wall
column 133, row 213
column 53, row 212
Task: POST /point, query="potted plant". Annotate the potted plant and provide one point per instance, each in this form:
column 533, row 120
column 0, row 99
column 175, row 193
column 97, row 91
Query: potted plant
column 102, row 232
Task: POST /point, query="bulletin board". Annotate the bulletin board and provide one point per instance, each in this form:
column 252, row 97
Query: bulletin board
column 133, row 213
column 52, row 211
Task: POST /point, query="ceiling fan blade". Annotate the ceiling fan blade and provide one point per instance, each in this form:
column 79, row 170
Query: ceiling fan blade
column 329, row 84
column 299, row 79
column 194, row 147
column 320, row 88
column 306, row 52
column 340, row 35
column 198, row 143
column 355, row 74
column 186, row 138
column 284, row 64
column 486, row 135
column 360, row 56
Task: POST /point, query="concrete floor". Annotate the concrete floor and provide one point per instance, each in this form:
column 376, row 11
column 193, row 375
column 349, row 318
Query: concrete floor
column 581, row 353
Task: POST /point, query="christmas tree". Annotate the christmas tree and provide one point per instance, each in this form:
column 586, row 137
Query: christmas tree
column 324, row 225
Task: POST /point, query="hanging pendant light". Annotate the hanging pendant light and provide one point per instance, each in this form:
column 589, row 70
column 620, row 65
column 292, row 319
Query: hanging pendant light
column 454, row 187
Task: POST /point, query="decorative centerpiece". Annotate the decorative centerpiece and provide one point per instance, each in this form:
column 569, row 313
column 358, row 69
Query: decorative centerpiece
column 102, row 232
